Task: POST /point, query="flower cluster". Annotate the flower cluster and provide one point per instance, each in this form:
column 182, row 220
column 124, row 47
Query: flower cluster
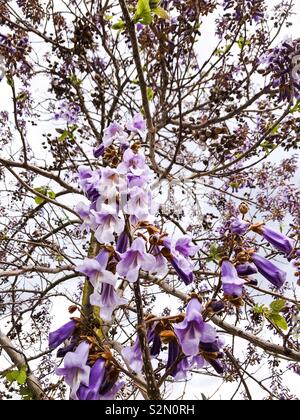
column 248, row 262
column 67, row 111
column 119, row 216
column 192, row 343
column 120, row 198
column 91, row 375
column 282, row 63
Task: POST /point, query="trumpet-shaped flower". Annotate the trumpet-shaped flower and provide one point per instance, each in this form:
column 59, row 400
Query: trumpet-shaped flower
column 179, row 256
column 239, row 227
column 281, row 242
column 134, row 163
column 134, row 259
column 107, row 299
column 90, row 182
column 113, row 132
column 95, row 270
column 270, row 271
column 108, row 223
column 231, row 282
column 194, row 330
column 91, row 391
column 185, row 247
column 246, row 269
column 137, row 125
column 140, row 204
column 76, row 371
column 57, row 337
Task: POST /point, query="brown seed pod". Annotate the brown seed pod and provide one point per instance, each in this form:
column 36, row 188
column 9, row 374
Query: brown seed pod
column 244, row 208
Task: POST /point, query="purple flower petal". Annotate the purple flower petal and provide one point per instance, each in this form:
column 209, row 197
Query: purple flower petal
column 278, row 240
column 193, row 330
column 57, row 337
column 270, row 271
column 76, row 371
column 231, row 282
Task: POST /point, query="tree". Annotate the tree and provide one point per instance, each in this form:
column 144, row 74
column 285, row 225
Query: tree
column 142, row 198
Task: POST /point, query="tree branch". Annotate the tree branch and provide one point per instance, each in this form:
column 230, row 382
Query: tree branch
column 19, row 360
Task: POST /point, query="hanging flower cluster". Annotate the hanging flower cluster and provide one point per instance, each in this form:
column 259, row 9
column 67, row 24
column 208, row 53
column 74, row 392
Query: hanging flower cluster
column 91, row 375
column 119, row 216
column 130, row 246
column 192, row 343
column 283, row 64
column 235, row 274
column 121, row 205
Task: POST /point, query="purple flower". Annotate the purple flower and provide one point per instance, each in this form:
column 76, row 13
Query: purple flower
column 111, row 393
column 281, row 63
column 133, row 356
column 134, row 259
column 95, row 270
column 90, row 182
column 183, row 269
column 278, row 240
column 113, row 132
column 107, row 222
column 110, row 179
column 156, row 345
column 139, row 27
column 99, row 151
column 110, row 386
column 198, row 362
column 137, row 125
column 103, row 383
column 210, row 355
column 181, row 264
column 76, row 371
column 161, row 265
column 107, row 299
column 216, row 306
column 245, row 269
column 61, row 353
column 267, row 269
column 68, row 112
column 135, row 169
column 134, row 163
column 185, row 247
column 174, row 352
column 211, row 352
column 91, row 392
column 139, row 204
column 179, row 370
column 137, row 180
column 295, row 367
column 252, row 9
column 239, row 227
column 232, row 283
column 84, row 212
column 182, row 369
column 194, row 330
column 57, row 337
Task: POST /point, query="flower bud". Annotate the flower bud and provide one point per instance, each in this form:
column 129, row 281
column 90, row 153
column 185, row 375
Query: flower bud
column 243, row 208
